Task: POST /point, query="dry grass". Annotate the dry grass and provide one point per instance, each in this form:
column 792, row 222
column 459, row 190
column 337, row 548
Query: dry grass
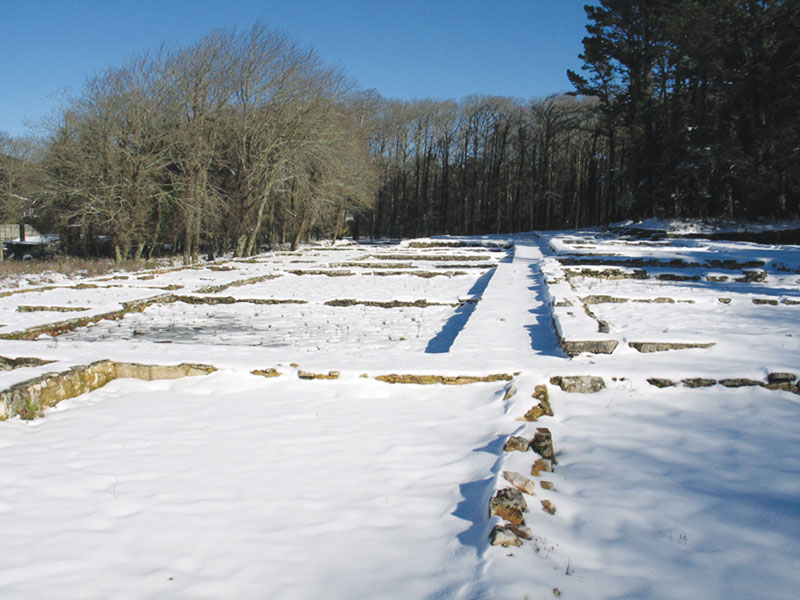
column 71, row 267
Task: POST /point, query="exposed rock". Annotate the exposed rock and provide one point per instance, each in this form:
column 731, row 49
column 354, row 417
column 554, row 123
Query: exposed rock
column 659, row 300
column 217, row 300
column 563, row 303
column 542, row 444
column 542, row 465
column 28, row 399
column 422, row 274
column 443, row 379
column 508, row 504
column 267, row 372
column 770, row 301
column 371, row 265
column 328, row 273
column 9, row 364
column 521, row 531
column 432, row 257
column 582, row 384
column 60, row 327
column 607, row 273
column 28, row 308
column 739, row 382
column 388, row 304
column 697, row 382
column 781, row 377
column 660, row 383
column 790, row 302
column 520, row 482
column 548, row 507
column 548, row 485
column 623, row 261
column 754, row 276
column 516, row 444
column 603, row 326
column 503, row 536
column 675, row 277
column 666, row 346
column 542, row 395
column 716, row 278
column 534, row 413
column 213, row 289
column 310, row 375
column 733, row 265
column 603, row 299
column 725, row 300
column 573, row 348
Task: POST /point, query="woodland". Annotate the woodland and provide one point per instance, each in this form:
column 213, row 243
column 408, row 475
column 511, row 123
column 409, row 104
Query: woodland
column 246, row 140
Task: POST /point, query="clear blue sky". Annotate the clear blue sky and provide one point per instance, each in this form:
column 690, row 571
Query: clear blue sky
column 402, row 48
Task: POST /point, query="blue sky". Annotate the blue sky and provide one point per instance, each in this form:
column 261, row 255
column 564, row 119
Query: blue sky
column 402, row 48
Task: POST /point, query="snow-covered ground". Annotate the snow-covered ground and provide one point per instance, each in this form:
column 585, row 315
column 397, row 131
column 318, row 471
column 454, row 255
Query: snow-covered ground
column 233, row 485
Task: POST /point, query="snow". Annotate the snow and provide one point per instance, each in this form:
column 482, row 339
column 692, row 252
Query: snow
column 236, row 485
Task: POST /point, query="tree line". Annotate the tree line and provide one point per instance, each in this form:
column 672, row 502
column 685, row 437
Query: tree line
column 240, row 140
column 683, row 108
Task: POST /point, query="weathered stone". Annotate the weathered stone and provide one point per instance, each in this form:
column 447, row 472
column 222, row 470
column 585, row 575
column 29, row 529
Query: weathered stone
column 267, row 372
column 675, row 277
column 387, row 304
column 575, row 347
column 540, row 393
column 213, row 289
column 548, row 507
column 542, row 444
column 60, row 327
column 28, row 399
column 769, row 301
column 516, row 444
column 548, row 485
column 28, row 308
column 328, row 273
column 9, row 364
column 422, row 274
column 508, row 504
column 521, row 531
column 603, row 299
column 645, row 347
column 432, row 257
column 542, row 465
column 603, row 326
column 443, row 379
column 790, row 302
column 752, row 276
column 534, row 413
column 660, row 383
column 733, row 265
column 725, row 300
column 310, row 375
column 503, row 536
column 697, row 382
column 737, row 382
column 716, row 278
column 582, row 384
column 781, row 377
column 520, row 482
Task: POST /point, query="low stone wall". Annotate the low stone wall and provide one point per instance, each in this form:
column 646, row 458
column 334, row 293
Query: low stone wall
column 30, row 398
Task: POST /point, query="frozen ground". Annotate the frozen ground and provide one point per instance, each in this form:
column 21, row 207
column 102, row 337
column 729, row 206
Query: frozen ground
column 235, row 485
